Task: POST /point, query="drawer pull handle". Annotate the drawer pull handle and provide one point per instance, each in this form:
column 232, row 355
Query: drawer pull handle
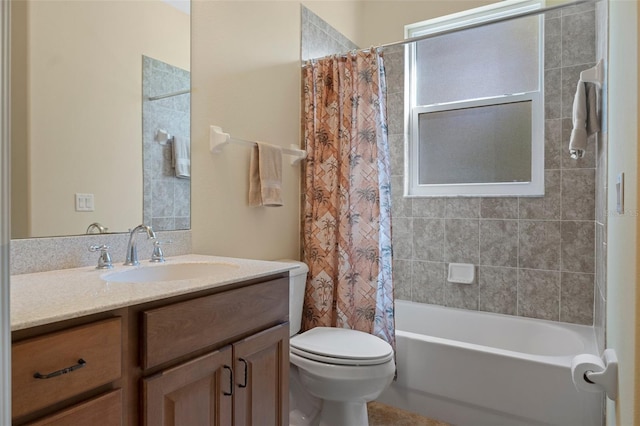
column 244, row 385
column 81, row 363
column 226, row 367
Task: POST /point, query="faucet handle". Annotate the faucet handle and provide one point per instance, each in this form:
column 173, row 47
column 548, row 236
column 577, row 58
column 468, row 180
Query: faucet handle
column 158, row 256
column 104, row 261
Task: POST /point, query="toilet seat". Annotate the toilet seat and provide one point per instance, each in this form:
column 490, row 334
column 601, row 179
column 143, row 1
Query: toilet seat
column 341, row 346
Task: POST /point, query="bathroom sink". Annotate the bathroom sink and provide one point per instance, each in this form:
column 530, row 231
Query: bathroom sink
column 169, row 272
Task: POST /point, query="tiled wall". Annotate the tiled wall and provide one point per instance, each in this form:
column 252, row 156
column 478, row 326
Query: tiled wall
column 167, row 199
column 534, row 257
column 319, row 38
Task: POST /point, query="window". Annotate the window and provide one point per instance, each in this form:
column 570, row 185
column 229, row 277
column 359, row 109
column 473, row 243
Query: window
column 475, row 105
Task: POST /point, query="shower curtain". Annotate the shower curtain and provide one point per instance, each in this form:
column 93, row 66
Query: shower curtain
column 347, row 211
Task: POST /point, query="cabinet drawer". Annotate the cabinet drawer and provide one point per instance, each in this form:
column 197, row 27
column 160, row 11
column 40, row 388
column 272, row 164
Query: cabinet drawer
column 105, row 410
column 98, row 345
column 182, row 328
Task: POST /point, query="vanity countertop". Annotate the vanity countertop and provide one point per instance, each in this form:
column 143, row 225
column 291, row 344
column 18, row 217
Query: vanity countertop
column 47, row 297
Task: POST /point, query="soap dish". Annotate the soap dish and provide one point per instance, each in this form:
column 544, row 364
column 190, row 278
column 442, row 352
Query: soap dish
column 462, row 273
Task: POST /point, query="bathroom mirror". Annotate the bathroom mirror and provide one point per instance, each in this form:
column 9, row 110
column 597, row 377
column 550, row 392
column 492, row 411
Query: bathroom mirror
column 77, row 103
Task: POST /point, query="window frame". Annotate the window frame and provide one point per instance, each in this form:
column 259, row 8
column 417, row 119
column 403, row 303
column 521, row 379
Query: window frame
column 412, row 187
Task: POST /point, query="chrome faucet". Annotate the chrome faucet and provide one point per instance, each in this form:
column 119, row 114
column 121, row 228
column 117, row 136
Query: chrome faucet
column 104, row 261
column 132, row 251
column 98, row 227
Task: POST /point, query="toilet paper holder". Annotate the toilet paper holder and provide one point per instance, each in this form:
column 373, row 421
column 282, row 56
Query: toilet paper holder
column 607, row 379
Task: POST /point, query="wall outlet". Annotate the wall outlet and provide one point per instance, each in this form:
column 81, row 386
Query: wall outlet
column 84, row 203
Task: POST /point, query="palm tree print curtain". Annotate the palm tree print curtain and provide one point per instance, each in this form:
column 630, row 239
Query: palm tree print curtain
column 347, row 213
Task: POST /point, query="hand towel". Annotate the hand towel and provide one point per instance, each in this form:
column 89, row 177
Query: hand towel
column 265, row 176
column 585, row 118
column 181, row 157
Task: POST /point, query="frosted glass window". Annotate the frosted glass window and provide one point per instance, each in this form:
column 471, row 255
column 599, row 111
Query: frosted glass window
column 483, row 144
column 476, row 104
column 489, row 61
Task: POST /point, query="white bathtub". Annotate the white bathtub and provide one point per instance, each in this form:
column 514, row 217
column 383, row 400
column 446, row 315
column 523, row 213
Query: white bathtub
column 482, row 369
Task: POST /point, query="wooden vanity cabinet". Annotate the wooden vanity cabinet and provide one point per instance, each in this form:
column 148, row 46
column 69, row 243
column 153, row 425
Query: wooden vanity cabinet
column 214, row 357
column 241, row 379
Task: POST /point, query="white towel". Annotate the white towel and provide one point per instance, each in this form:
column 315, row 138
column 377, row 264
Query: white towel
column 585, row 117
column 265, row 176
column 181, row 157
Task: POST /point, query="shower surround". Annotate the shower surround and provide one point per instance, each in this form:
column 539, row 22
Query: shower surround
column 167, row 199
column 534, row 257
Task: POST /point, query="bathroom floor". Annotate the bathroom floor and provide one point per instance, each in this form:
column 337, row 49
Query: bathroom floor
column 386, row 415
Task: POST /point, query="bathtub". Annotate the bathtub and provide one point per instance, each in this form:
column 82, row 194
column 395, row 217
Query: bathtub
column 482, row 369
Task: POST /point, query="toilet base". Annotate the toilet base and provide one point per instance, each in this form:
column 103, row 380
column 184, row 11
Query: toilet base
column 337, row 413
column 305, row 408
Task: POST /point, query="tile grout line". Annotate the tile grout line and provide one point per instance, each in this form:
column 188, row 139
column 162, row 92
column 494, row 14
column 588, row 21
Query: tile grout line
column 518, row 264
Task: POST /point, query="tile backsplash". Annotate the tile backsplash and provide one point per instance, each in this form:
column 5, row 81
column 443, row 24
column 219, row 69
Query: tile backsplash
column 534, row 257
column 46, row 254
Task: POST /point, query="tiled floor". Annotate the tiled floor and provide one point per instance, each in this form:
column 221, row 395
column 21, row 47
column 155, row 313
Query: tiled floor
column 386, row 415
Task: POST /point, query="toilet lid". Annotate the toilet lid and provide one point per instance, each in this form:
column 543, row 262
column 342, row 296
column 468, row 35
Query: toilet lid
column 341, row 346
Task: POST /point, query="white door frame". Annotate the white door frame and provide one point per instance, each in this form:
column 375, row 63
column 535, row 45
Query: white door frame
column 5, row 230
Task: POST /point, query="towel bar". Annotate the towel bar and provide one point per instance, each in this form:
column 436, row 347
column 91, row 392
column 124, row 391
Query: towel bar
column 594, row 75
column 218, row 140
column 163, row 137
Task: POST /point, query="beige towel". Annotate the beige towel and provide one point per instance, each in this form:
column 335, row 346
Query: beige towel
column 265, row 176
column 585, row 117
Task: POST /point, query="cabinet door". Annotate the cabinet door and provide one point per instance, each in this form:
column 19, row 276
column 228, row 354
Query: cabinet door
column 262, row 378
column 196, row 393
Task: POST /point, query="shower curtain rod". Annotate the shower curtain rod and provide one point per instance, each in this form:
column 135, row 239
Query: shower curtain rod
column 473, row 25
column 169, row 95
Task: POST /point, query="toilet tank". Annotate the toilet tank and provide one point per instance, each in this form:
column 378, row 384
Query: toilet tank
column 297, row 283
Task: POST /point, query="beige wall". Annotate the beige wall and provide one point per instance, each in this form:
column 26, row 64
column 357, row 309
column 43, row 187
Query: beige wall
column 385, row 19
column 372, row 23
column 84, row 107
column 622, row 288
column 246, row 79
column 19, row 130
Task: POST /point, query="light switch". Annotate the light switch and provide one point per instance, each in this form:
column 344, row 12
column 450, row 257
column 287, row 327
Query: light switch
column 84, row 203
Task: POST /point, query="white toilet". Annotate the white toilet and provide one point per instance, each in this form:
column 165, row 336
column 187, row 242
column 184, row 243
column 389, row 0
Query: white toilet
column 337, row 369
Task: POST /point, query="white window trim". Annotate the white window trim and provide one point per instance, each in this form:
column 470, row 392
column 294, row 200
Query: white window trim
column 483, row 14
column 533, row 188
